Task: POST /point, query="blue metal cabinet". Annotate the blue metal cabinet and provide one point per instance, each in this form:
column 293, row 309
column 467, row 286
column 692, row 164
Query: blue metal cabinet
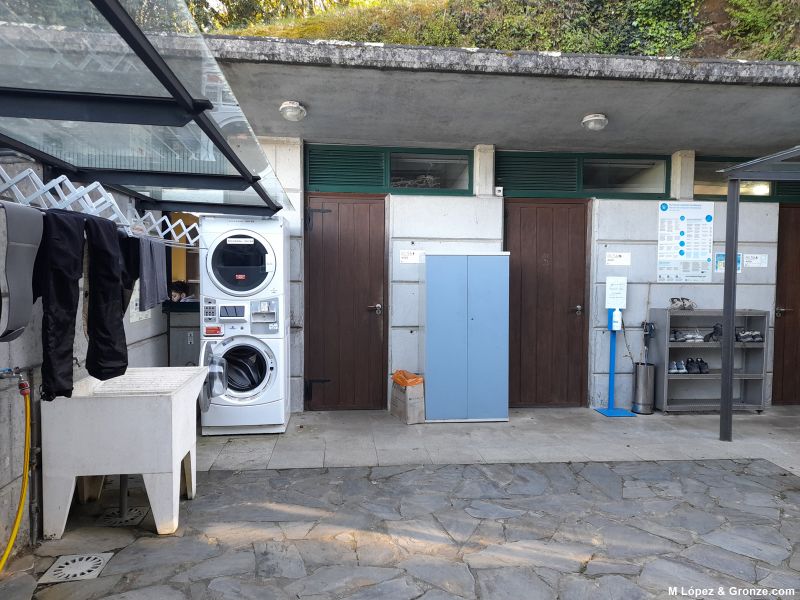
column 465, row 322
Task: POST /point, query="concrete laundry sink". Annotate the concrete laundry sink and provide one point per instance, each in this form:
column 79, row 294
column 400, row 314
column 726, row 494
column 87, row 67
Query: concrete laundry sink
column 142, row 422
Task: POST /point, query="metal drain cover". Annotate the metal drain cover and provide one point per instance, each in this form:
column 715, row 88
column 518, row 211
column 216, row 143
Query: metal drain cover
column 73, row 567
column 111, row 517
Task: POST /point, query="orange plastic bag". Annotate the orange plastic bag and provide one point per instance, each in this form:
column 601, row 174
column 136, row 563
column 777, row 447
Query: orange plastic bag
column 406, row 378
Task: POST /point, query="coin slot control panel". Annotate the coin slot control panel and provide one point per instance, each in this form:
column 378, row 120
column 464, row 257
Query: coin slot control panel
column 267, row 312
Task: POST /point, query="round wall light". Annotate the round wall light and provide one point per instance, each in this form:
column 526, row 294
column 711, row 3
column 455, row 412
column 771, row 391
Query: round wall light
column 292, row 110
column 594, row 122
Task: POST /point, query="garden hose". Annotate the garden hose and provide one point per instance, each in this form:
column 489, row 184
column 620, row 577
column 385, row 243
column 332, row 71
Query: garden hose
column 25, row 391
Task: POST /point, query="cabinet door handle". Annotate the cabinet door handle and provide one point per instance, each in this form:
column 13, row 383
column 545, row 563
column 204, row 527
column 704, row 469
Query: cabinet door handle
column 779, row 310
column 378, row 308
column 578, row 309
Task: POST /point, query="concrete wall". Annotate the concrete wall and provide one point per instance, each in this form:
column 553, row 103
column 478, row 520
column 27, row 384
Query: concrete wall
column 457, row 223
column 286, row 157
column 147, row 346
column 632, row 226
column 436, row 223
column 475, row 223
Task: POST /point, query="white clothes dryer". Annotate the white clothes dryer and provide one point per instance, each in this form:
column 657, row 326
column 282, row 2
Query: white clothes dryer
column 243, row 257
column 256, row 400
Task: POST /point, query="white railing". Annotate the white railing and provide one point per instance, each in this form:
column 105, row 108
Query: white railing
column 28, row 189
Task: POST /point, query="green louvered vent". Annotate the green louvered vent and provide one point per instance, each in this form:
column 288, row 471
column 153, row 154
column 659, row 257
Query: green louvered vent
column 521, row 174
column 344, row 168
column 787, row 188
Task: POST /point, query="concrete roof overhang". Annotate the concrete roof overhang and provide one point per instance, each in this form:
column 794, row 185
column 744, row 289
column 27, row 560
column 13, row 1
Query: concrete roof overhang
column 360, row 93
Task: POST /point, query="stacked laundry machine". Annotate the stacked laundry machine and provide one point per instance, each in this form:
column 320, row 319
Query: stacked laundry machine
column 244, row 318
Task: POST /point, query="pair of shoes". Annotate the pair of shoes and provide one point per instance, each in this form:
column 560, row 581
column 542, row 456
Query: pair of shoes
column 749, row 336
column 715, row 335
column 682, row 304
column 695, row 337
column 676, row 367
column 696, row 366
column 677, row 336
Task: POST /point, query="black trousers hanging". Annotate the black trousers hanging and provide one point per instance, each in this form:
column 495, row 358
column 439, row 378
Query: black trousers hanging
column 59, row 267
column 107, row 355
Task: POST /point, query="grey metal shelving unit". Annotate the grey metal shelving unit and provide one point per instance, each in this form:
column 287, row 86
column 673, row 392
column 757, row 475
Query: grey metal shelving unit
column 701, row 393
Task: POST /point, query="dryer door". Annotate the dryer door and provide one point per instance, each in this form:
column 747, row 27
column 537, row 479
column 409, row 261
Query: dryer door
column 251, row 370
column 241, row 262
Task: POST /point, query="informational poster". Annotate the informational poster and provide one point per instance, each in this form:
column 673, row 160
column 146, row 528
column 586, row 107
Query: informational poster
column 685, row 240
column 618, row 259
column 756, row 261
column 616, row 292
column 719, row 262
column 410, row 256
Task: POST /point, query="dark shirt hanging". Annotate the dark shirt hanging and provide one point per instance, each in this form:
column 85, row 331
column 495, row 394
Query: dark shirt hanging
column 153, row 287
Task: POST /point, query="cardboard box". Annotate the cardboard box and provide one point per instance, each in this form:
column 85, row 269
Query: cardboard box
column 408, row 403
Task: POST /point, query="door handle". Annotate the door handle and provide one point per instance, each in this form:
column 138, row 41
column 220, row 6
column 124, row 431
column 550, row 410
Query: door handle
column 578, row 309
column 377, row 308
column 779, row 310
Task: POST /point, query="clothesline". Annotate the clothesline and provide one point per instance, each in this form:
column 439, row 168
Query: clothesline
column 29, row 190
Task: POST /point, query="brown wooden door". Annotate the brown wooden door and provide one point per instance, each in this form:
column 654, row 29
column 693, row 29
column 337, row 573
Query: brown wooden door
column 548, row 334
column 786, row 375
column 345, row 267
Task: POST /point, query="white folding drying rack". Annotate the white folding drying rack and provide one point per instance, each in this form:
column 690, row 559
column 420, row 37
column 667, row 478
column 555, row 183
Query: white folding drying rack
column 28, row 189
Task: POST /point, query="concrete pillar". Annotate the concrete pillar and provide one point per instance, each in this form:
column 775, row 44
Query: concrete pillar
column 286, row 157
column 483, row 170
column 682, row 179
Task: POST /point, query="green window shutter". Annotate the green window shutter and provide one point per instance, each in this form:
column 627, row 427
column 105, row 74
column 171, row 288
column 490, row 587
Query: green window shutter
column 330, row 168
column 524, row 174
column 787, row 189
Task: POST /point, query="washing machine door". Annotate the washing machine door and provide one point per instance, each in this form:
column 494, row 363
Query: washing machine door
column 241, row 262
column 251, row 369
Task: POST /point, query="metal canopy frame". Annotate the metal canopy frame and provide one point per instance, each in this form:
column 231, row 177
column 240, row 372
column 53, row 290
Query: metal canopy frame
column 754, row 170
column 176, row 110
column 193, row 181
column 97, row 108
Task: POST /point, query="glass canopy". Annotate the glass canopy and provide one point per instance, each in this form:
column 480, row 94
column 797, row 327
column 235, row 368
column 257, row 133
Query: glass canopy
column 126, row 92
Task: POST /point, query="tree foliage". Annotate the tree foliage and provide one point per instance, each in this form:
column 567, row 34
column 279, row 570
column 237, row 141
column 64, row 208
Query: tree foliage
column 766, row 28
column 602, row 26
column 216, row 14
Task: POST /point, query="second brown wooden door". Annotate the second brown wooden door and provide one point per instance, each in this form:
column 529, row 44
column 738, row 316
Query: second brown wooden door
column 548, row 361
column 786, row 376
column 345, row 311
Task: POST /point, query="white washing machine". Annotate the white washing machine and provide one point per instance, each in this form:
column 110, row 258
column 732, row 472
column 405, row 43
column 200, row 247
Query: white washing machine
column 257, row 398
column 244, row 284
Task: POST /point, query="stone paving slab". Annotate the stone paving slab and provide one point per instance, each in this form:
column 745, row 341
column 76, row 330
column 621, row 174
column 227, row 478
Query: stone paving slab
column 372, row 438
column 565, row 531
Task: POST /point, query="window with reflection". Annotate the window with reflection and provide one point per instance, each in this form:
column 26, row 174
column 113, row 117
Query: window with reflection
column 709, row 182
column 430, row 171
column 625, row 175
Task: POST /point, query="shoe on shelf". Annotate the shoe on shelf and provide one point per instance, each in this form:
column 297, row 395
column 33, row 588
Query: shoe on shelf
column 681, row 304
column 680, row 336
column 757, row 337
column 673, row 368
column 694, row 337
column 715, row 335
column 681, row 367
column 692, row 368
column 746, row 337
column 702, row 365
